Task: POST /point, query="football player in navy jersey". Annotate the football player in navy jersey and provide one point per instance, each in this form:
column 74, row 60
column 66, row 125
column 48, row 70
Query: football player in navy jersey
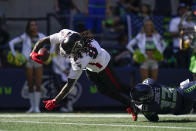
column 151, row 98
column 84, row 53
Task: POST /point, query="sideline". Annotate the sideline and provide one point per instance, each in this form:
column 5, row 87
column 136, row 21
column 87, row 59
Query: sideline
column 87, row 115
column 106, row 125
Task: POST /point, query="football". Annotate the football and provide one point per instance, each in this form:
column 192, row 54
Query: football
column 45, row 54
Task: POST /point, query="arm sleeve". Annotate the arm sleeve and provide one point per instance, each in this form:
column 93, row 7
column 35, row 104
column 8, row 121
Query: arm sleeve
column 173, row 27
column 55, row 38
column 132, row 43
column 13, row 42
column 161, row 43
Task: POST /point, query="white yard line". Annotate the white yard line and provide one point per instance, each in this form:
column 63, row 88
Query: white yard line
column 106, row 125
column 89, row 115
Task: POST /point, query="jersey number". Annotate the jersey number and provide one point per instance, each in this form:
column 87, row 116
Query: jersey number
column 92, row 51
column 168, row 98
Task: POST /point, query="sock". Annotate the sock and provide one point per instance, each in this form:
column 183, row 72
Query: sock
column 31, row 100
column 37, row 101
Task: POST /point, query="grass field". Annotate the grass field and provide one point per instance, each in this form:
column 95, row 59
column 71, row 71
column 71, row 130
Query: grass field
column 92, row 122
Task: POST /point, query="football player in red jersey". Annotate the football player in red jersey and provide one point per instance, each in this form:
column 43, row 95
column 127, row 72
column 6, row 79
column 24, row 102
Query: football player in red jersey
column 84, row 53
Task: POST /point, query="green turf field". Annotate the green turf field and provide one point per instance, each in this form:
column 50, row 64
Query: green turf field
column 92, row 122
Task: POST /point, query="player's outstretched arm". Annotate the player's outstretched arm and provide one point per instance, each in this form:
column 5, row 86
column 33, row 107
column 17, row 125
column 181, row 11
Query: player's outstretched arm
column 65, row 90
column 51, row 104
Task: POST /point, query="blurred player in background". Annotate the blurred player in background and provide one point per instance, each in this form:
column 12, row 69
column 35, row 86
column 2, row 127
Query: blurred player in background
column 151, row 98
column 34, row 70
column 84, row 53
column 61, row 67
column 63, row 11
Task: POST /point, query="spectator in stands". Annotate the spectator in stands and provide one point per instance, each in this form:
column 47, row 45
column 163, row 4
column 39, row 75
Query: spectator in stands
column 4, row 38
column 96, row 11
column 149, row 42
column 113, row 25
column 79, row 16
column 182, row 56
column 34, row 71
column 63, row 10
column 132, row 6
column 145, row 11
column 128, row 6
column 121, row 7
column 112, row 20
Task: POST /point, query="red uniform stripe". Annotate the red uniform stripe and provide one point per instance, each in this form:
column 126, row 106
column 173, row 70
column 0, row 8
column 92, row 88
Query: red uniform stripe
column 111, row 77
column 96, row 64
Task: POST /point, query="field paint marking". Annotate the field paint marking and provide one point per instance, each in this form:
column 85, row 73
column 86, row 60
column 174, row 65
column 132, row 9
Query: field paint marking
column 110, row 125
column 90, row 115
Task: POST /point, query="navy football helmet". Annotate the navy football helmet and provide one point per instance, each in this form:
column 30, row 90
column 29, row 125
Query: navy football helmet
column 142, row 93
column 72, row 44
